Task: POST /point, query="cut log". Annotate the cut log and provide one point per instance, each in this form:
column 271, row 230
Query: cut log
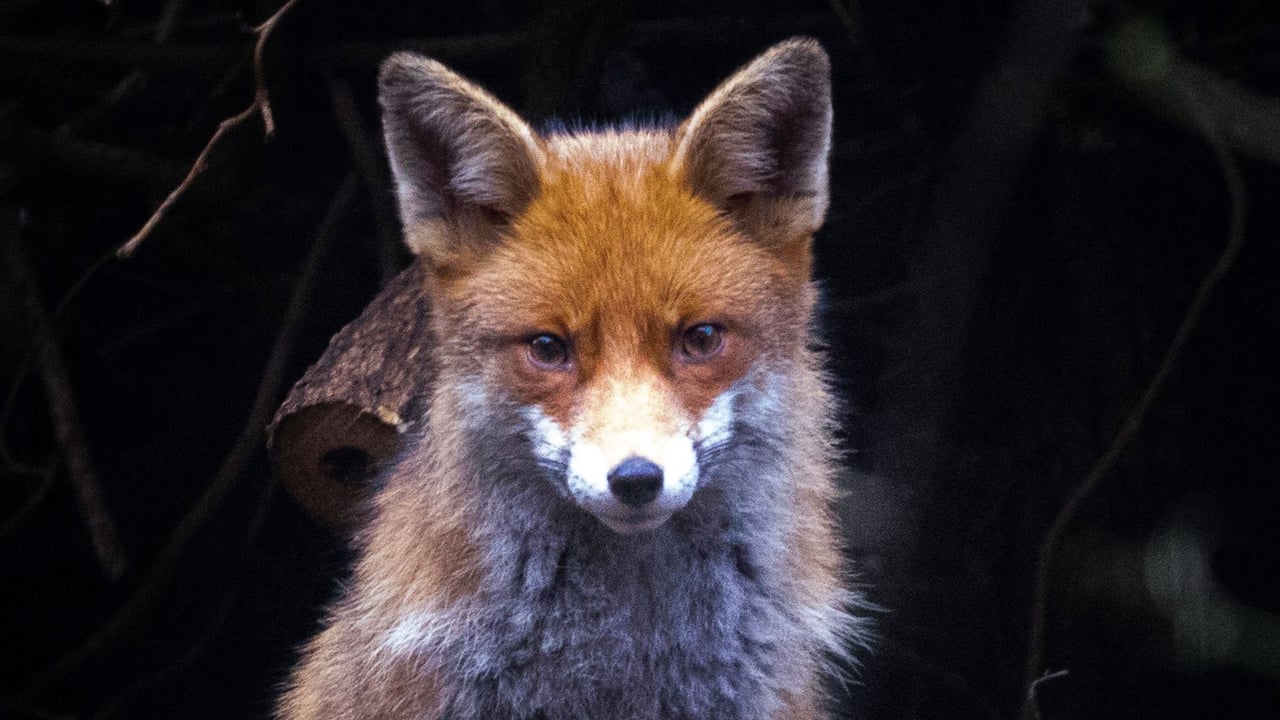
column 352, row 409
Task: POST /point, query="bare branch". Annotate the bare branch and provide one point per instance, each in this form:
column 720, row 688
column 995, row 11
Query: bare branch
column 246, row 448
column 64, row 413
column 261, row 105
column 260, row 98
column 198, row 167
column 1143, row 61
column 1033, row 690
column 1191, row 103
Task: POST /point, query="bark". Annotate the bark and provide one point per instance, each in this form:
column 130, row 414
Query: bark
column 351, row 410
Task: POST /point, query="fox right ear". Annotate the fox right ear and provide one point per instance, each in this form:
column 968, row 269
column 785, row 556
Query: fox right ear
column 757, row 147
column 463, row 163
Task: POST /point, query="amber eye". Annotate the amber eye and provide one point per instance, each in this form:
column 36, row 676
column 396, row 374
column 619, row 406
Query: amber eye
column 701, row 342
column 548, row 351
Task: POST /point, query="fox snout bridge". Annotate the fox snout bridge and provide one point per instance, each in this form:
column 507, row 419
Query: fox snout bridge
column 636, row 481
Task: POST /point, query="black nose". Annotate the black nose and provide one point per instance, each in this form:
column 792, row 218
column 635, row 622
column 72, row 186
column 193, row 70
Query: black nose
column 636, row 481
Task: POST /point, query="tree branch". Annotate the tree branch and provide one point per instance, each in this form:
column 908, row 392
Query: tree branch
column 64, row 412
column 261, row 106
column 1144, row 62
column 1193, row 105
column 246, row 448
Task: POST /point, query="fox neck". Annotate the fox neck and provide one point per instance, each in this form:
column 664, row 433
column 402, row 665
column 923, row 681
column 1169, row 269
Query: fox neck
column 705, row 603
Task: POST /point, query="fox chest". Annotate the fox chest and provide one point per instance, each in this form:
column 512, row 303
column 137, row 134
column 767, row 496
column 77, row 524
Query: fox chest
column 583, row 635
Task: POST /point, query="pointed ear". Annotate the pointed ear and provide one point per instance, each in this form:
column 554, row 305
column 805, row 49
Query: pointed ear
column 464, row 164
column 757, row 147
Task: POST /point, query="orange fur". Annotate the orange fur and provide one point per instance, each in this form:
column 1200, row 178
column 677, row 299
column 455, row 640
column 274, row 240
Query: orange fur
column 616, row 242
column 560, row 270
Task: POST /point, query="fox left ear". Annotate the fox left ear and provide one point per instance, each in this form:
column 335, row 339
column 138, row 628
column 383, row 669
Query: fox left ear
column 757, row 147
column 463, row 162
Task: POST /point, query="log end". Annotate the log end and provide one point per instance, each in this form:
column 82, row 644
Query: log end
column 329, row 455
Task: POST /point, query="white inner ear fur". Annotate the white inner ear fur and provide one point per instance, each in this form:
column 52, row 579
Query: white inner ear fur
column 758, row 146
column 455, row 152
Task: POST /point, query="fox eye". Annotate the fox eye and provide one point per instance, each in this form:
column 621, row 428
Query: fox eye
column 701, row 342
column 548, row 351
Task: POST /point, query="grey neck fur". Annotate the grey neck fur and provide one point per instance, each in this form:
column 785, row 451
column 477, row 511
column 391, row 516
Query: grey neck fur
column 573, row 621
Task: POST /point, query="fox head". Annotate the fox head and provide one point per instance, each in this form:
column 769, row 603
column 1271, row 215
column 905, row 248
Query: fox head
column 617, row 298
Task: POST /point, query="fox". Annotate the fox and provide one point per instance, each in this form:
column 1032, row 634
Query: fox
column 621, row 502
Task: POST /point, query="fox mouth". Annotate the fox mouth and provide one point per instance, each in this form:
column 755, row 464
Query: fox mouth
column 618, row 517
column 627, row 523
column 627, row 502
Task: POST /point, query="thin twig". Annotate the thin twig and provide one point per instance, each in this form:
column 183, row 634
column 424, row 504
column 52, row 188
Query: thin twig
column 197, row 168
column 261, row 105
column 1213, row 134
column 11, row 397
column 65, row 414
column 246, row 448
column 260, row 97
column 1033, row 690
column 1247, row 121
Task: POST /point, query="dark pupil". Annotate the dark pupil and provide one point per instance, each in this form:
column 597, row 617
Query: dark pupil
column 701, row 339
column 547, row 349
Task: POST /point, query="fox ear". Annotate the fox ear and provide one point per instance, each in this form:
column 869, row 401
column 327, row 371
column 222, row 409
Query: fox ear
column 463, row 163
column 757, row 147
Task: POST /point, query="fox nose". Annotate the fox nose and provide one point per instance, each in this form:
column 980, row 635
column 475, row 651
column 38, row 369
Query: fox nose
column 636, row 481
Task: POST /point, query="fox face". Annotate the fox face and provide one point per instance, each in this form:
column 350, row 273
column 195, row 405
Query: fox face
column 616, row 297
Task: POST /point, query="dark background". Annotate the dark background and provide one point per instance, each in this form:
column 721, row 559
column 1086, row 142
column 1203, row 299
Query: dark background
column 1027, row 197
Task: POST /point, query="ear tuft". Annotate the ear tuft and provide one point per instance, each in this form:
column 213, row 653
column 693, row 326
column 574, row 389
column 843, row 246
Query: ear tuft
column 462, row 161
column 758, row 146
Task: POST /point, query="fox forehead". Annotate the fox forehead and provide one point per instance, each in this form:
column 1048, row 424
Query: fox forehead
column 616, row 246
